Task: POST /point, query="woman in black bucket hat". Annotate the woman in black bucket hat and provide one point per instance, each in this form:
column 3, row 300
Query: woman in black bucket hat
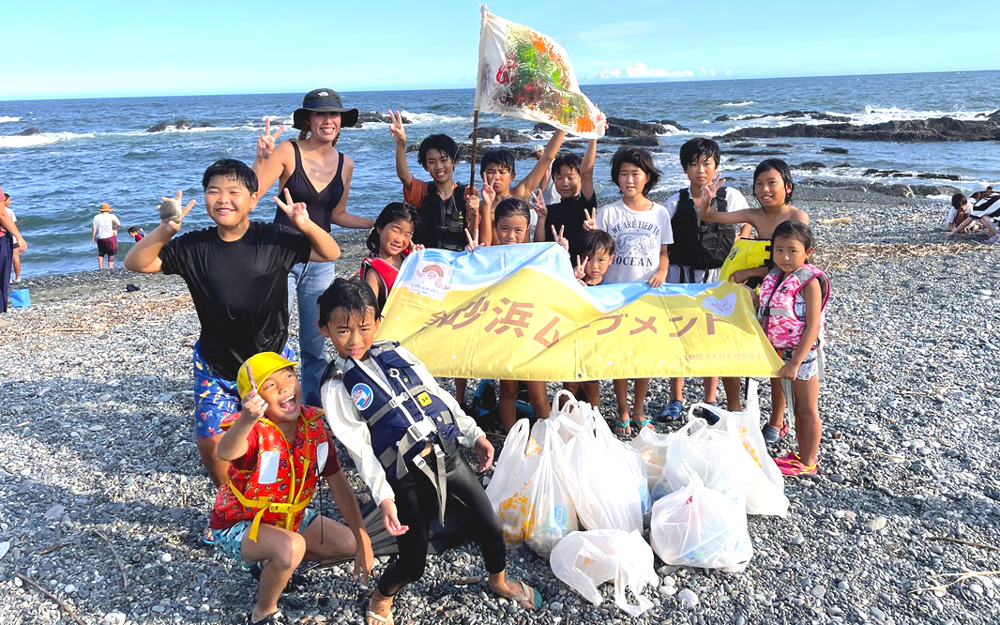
column 316, row 173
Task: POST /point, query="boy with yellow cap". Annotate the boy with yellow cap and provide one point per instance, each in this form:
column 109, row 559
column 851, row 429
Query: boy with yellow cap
column 278, row 450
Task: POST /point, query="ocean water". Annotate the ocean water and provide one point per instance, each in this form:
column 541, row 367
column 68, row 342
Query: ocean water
column 96, row 150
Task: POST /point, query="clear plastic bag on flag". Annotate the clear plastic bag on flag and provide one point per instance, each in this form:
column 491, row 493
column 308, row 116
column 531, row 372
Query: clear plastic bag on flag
column 585, row 560
column 698, row 526
column 606, row 478
column 528, row 493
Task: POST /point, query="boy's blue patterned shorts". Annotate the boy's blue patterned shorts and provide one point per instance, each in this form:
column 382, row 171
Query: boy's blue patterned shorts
column 215, row 397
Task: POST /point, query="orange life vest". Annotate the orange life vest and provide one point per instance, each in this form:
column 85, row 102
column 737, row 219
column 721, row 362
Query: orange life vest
column 283, row 481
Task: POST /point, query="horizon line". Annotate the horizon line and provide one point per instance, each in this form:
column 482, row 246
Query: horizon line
column 607, row 82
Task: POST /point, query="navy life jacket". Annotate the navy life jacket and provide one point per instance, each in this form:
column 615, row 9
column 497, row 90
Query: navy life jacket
column 442, row 222
column 404, row 423
column 699, row 244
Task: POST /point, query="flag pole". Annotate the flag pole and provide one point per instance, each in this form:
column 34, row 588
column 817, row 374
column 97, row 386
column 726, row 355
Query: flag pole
column 475, row 132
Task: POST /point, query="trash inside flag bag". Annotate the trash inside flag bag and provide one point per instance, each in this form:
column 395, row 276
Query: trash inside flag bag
column 698, row 526
column 528, row 493
column 585, row 560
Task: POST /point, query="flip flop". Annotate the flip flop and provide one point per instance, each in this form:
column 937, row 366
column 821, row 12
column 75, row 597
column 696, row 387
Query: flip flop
column 207, row 538
column 529, row 599
column 644, row 422
column 622, row 429
column 791, row 466
column 381, row 619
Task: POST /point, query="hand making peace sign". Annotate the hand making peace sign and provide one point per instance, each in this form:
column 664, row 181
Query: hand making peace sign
column 396, row 127
column 473, row 240
column 559, row 238
column 265, row 144
column 589, row 220
column 580, row 271
column 297, row 212
column 538, row 203
column 709, row 190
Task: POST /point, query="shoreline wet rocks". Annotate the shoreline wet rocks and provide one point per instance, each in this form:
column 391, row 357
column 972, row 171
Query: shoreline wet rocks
column 97, row 396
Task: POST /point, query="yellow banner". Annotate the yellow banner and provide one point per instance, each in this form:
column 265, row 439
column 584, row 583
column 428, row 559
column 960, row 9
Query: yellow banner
column 516, row 312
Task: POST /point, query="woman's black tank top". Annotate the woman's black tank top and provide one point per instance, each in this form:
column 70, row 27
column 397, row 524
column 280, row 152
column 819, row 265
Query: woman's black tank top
column 320, row 204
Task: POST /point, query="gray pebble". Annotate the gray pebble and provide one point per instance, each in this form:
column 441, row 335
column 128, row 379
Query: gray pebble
column 687, row 599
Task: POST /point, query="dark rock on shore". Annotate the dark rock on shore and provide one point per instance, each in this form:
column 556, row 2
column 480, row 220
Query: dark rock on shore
column 376, row 117
column 465, row 151
column 670, row 122
column 178, row 124
column 506, row 135
column 934, row 129
column 620, row 127
column 758, row 152
column 810, row 165
column 935, row 176
column 27, row 132
column 639, row 142
column 834, row 150
column 791, row 115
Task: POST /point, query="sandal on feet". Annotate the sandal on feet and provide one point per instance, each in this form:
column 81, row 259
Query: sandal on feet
column 382, row 614
column 274, row 618
column 295, row 583
column 643, row 422
column 791, row 466
column 772, row 434
column 672, row 411
column 708, row 415
column 622, row 429
column 529, row 599
column 207, row 538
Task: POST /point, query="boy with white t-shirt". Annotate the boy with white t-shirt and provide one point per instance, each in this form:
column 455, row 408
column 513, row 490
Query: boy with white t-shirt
column 641, row 230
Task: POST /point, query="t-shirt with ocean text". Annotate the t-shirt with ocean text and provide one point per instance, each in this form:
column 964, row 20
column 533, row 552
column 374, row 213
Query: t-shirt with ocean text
column 638, row 236
column 239, row 288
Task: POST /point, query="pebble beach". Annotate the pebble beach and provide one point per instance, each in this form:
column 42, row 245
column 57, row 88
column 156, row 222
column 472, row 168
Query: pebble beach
column 103, row 498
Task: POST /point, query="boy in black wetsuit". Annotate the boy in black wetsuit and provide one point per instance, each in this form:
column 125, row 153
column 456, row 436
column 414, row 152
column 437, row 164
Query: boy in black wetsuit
column 237, row 273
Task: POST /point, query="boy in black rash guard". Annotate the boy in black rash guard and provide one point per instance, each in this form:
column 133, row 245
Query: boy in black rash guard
column 237, row 273
column 402, row 432
column 574, row 181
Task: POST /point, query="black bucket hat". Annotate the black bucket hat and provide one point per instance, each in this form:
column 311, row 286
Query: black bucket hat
column 324, row 101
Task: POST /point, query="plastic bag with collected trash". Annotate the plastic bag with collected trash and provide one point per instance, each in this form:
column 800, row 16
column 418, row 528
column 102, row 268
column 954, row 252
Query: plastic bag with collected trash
column 652, row 447
column 698, row 526
column 585, row 560
column 528, row 492
column 606, row 478
column 719, row 455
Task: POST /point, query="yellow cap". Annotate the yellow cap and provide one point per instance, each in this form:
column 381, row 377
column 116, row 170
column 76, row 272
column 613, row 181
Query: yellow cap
column 262, row 365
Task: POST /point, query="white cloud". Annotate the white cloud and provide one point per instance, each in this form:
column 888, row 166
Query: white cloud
column 641, row 70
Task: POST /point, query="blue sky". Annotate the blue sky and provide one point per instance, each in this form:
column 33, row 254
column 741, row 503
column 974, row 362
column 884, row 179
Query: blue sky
column 59, row 48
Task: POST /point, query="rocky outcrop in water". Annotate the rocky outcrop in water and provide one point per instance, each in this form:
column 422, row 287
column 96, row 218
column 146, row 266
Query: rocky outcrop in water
column 27, row 132
column 177, row 124
column 934, row 129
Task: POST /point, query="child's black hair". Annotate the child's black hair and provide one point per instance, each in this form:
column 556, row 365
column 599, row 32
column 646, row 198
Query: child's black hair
column 6, row 196
column 133, row 230
column 352, row 295
column 511, row 206
column 441, row 143
column 641, row 159
column 959, row 200
column 694, row 149
column 566, row 159
column 231, row 168
column 499, row 156
column 395, row 211
column 794, row 229
column 597, row 240
column 783, row 170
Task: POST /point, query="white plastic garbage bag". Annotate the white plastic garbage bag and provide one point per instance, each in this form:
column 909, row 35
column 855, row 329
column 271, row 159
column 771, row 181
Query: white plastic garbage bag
column 748, row 427
column 698, row 526
column 528, row 492
column 606, row 479
column 766, row 494
column 652, row 448
column 585, row 560
column 719, row 456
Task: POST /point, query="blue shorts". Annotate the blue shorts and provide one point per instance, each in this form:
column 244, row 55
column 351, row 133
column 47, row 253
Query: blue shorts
column 215, row 397
column 229, row 542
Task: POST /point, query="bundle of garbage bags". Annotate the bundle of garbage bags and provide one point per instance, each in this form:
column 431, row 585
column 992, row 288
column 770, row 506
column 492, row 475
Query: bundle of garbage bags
column 570, row 473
